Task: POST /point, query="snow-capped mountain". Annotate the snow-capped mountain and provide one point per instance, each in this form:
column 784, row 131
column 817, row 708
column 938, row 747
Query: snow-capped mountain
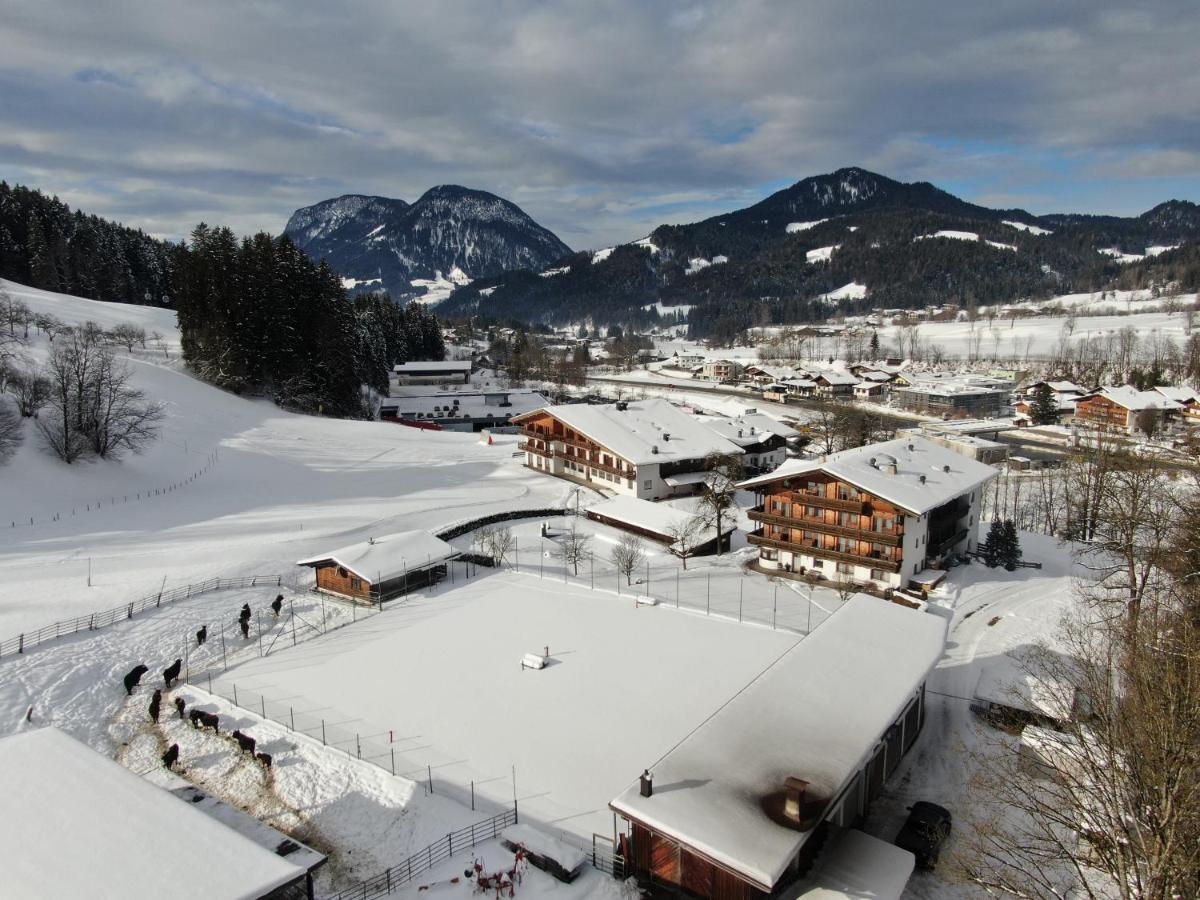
column 451, row 232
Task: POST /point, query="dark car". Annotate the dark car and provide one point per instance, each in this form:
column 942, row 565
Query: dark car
column 923, row 834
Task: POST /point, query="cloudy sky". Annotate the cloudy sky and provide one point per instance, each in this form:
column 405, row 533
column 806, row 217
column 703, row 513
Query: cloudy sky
column 600, row 118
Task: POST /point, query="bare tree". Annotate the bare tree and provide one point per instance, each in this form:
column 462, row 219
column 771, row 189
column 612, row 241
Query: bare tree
column 573, row 548
column 1109, row 803
column 31, row 389
column 120, row 419
column 160, row 343
column 127, row 335
column 15, row 314
column 685, row 534
column 718, row 503
column 10, row 430
column 628, row 554
column 496, row 542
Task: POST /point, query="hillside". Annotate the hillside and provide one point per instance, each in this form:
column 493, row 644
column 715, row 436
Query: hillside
column 846, row 242
column 451, row 234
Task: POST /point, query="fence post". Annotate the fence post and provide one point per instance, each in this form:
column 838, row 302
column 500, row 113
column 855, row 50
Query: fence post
column 358, row 744
column 235, row 702
column 292, row 716
column 429, row 770
column 258, row 619
column 224, row 660
column 262, row 698
column 394, row 764
column 472, row 796
column 322, row 732
column 293, row 612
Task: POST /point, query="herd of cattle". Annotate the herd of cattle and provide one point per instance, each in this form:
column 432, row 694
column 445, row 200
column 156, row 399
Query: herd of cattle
column 198, row 717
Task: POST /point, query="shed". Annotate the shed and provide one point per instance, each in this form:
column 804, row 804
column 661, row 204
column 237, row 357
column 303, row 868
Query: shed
column 659, row 522
column 382, row 568
column 88, row 827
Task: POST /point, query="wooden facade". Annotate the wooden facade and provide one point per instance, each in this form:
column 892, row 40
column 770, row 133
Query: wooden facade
column 338, row 580
column 565, row 451
column 822, row 517
column 1103, row 412
column 665, row 866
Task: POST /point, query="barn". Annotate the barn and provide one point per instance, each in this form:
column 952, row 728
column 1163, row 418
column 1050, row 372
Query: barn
column 89, row 827
column 382, row 568
column 741, row 807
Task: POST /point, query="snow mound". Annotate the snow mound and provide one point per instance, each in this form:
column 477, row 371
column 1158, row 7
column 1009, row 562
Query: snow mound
column 821, row 254
column 602, row 255
column 1121, row 256
column 350, row 284
column 954, row 235
column 793, row 227
column 696, row 263
column 851, row 291
column 439, row 287
column 1160, row 248
column 647, row 243
column 1031, row 229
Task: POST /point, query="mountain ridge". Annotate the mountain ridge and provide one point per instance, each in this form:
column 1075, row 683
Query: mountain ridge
column 383, row 242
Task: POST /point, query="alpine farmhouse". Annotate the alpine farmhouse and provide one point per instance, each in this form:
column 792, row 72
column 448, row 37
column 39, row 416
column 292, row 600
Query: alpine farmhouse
column 879, row 514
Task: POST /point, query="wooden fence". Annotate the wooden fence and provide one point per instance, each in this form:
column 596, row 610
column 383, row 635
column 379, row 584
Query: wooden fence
column 97, row 620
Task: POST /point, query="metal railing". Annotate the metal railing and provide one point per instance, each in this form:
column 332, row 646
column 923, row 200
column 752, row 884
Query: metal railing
column 97, row 620
column 423, row 860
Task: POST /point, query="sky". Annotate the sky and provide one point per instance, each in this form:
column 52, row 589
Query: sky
column 601, row 119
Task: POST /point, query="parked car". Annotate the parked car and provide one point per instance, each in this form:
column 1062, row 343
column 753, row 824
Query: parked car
column 924, row 832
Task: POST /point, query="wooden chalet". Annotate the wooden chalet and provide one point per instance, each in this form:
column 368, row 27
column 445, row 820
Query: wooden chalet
column 382, row 568
column 828, row 724
column 877, row 515
column 645, row 448
column 1123, row 408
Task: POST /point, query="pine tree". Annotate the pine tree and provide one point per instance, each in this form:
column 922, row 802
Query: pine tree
column 1010, row 546
column 874, row 345
column 990, row 549
column 1044, row 409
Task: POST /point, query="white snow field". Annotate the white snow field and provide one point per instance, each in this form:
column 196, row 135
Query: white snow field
column 276, row 487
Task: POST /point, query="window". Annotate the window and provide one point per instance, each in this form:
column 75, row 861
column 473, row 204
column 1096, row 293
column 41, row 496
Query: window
column 355, row 583
column 811, row 511
column 878, row 575
column 845, row 568
column 645, row 484
column 768, row 554
column 818, row 564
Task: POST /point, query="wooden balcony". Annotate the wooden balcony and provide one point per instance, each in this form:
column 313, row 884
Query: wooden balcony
column 530, row 447
column 798, row 523
column 888, row 565
column 851, row 506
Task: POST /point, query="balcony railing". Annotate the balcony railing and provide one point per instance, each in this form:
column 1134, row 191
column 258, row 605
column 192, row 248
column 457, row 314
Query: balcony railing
column 937, row 548
column 531, row 447
column 876, row 562
column 806, row 499
column 798, row 523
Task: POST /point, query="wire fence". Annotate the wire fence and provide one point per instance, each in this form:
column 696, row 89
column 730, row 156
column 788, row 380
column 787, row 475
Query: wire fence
column 731, row 592
column 97, row 620
column 101, row 503
column 423, row 860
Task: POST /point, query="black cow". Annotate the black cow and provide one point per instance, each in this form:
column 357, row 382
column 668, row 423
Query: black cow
column 171, row 672
column 244, row 615
column 210, row 720
column 171, row 756
column 277, row 605
column 180, row 705
column 201, row 635
column 155, row 703
column 265, row 759
column 245, row 742
column 194, row 717
column 244, row 624
column 134, row 678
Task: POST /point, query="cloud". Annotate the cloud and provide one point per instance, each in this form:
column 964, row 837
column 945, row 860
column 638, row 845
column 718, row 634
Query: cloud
column 600, row 119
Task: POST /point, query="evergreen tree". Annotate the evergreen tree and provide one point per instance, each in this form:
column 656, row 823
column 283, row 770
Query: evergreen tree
column 990, row 549
column 1044, row 410
column 874, row 344
column 1009, row 553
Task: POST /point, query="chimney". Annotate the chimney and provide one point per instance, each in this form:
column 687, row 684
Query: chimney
column 922, row 479
column 647, row 783
column 946, row 468
column 654, row 449
column 794, row 790
column 666, row 437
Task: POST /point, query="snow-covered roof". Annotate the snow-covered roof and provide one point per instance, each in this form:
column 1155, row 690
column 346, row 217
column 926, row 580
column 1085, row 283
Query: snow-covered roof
column 81, row 825
column 645, row 431
column 657, row 517
column 387, row 557
column 1061, row 387
column 833, row 376
column 1181, row 395
column 749, row 428
column 450, row 365
column 927, row 474
column 857, row 866
column 815, row 713
column 1131, row 398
